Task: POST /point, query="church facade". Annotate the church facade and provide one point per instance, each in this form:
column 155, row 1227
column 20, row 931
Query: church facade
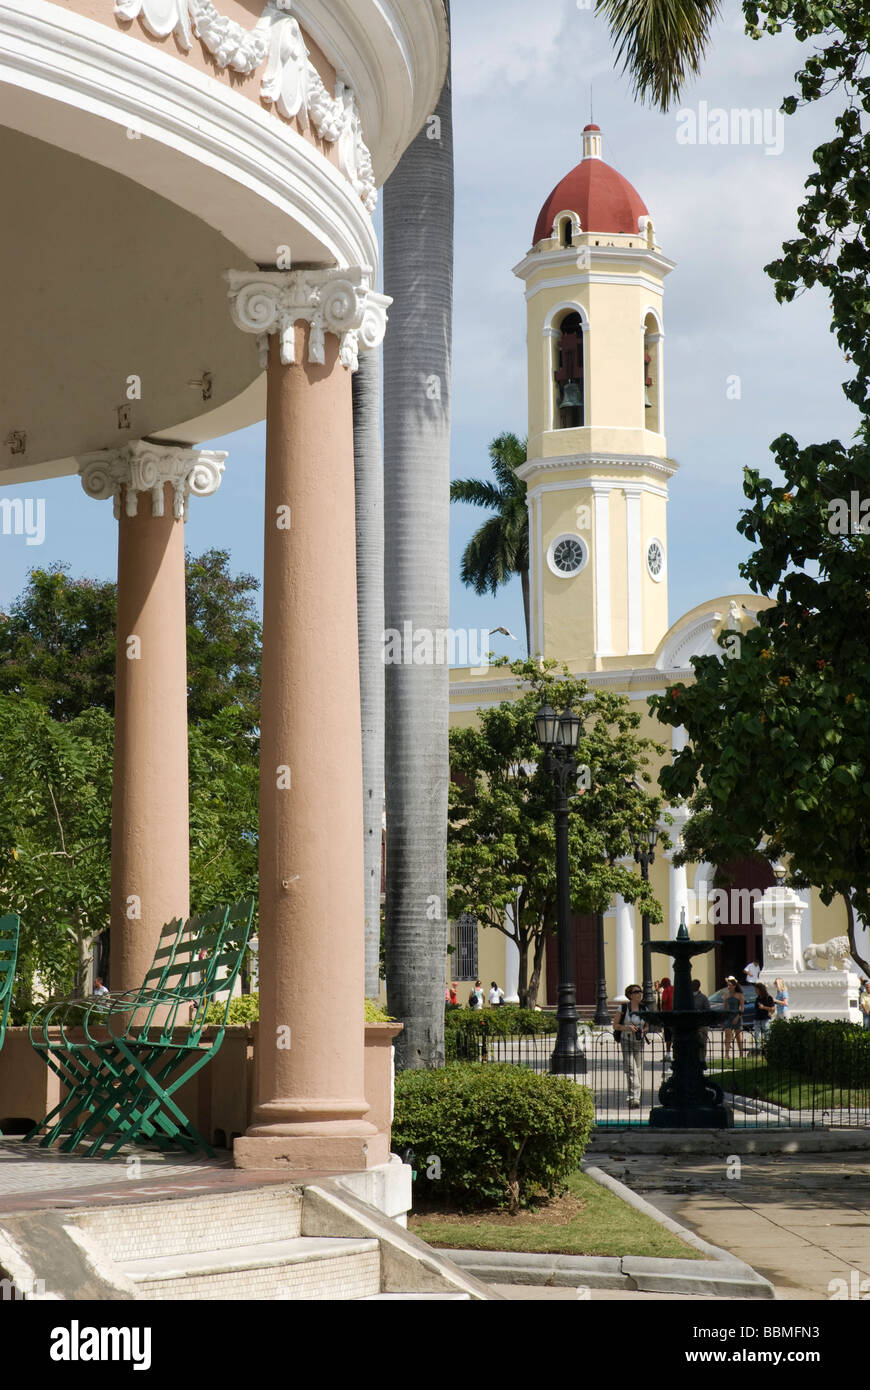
column 599, row 478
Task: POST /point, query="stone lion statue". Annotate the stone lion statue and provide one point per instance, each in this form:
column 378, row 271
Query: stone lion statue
column 827, row 955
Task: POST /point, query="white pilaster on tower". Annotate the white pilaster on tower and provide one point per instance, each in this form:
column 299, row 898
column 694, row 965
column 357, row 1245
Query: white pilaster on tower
column 603, row 623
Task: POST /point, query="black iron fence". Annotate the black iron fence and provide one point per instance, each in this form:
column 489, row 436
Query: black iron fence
column 763, row 1090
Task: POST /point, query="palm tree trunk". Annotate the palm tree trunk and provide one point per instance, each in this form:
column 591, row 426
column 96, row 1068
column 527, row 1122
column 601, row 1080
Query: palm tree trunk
column 368, row 461
column 850, row 931
column 418, row 274
column 524, row 580
column 535, row 981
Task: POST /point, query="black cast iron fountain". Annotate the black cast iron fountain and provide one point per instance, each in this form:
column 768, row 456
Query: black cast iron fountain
column 688, row 1099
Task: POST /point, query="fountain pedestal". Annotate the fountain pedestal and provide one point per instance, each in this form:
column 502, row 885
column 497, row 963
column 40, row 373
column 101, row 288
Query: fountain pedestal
column 688, row 1099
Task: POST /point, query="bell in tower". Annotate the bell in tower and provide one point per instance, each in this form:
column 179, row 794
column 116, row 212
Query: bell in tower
column 569, row 374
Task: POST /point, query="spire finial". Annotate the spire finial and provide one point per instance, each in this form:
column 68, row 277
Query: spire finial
column 683, row 933
column 591, row 141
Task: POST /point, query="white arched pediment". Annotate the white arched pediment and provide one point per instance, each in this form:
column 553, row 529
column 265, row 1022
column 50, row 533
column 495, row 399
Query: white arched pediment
column 696, row 639
column 576, row 229
column 568, row 306
column 653, row 313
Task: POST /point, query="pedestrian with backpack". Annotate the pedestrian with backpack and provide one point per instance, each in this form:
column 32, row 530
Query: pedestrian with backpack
column 631, row 1030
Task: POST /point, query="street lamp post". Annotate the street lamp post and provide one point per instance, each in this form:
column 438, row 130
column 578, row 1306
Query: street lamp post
column 645, row 853
column 602, row 1013
column 558, row 735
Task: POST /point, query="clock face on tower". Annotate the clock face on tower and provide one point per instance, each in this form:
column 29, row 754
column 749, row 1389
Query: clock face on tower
column 655, row 560
column 567, row 556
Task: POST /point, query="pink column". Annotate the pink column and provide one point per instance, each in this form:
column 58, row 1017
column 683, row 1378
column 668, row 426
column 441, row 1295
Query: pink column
column 150, row 845
column 310, row 1085
column 150, row 851
column 311, row 1103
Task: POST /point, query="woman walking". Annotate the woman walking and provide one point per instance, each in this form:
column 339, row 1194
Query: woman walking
column 780, row 998
column 631, row 1030
column 735, row 1003
column 765, row 1008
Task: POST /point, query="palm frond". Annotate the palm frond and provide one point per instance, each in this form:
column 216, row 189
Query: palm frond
column 477, row 491
column 484, row 563
column 661, row 43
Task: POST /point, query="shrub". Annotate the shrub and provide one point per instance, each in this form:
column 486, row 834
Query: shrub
column 375, row 1014
column 821, row 1050
column 466, row 1029
column 505, row 1021
column 502, row 1135
column 245, row 1008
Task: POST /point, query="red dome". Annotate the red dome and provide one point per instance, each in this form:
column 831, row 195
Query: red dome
column 602, row 199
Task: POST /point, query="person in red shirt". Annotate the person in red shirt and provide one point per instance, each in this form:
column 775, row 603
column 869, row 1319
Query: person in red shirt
column 667, row 1006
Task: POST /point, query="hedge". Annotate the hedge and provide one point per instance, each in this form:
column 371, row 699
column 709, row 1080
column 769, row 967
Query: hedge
column 491, row 1135
column 821, row 1050
column 502, row 1021
column 245, row 1008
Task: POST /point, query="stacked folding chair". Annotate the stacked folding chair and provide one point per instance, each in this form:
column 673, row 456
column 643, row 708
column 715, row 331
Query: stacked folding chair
column 133, row 1052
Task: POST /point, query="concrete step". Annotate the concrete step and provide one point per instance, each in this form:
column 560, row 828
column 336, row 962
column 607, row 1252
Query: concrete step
column 221, row 1222
column 298, row 1269
column 416, row 1297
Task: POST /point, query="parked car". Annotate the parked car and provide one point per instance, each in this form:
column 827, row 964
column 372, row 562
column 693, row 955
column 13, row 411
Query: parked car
column 750, row 1015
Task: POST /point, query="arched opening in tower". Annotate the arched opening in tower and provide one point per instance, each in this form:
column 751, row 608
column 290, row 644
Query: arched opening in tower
column 570, row 402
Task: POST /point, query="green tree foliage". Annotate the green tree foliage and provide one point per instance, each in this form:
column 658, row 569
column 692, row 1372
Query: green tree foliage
column 55, row 840
column 779, row 739
column 501, row 842
column 57, row 643
column 55, row 833
column 500, row 548
column 57, row 673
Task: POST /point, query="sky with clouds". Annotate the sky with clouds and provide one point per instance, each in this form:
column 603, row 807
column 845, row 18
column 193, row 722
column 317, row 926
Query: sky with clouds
column 525, row 79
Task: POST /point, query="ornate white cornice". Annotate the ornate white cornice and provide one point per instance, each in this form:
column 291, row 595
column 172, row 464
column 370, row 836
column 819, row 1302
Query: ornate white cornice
column 146, row 467
column 639, row 462
column 331, row 301
column 291, row 82
column 560, row 257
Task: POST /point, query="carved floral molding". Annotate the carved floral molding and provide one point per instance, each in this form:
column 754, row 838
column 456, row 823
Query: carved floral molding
column 142, row 467
column 331, row 301
column 290, row 83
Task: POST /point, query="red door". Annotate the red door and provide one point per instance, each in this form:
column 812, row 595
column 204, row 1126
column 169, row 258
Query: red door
column 585, row 961
column 739, row 886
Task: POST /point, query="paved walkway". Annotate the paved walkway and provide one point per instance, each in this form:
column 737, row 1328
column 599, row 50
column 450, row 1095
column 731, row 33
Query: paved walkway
column 801, row 1220
column 34, row 1179
column 527, row 1292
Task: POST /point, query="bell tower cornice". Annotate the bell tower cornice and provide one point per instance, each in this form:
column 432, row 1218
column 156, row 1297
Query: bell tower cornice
column 586, row 262
column 622, row 463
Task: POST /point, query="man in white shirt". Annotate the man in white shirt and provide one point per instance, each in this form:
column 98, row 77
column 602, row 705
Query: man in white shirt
column 752, row 971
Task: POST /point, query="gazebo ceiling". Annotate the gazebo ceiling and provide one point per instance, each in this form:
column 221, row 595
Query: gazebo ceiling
column 104, row 282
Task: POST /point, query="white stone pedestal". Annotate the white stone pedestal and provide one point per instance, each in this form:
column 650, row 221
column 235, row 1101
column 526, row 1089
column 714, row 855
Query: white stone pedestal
column 822, row 993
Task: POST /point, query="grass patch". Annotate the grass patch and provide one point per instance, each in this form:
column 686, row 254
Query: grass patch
column 746, row 1076
column 587, row 1220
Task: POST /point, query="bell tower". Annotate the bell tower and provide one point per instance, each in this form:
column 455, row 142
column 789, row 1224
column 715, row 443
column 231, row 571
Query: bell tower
column 597, row 470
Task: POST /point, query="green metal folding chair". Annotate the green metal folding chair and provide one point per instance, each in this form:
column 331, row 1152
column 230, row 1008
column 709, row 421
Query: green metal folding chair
column 122, row 1084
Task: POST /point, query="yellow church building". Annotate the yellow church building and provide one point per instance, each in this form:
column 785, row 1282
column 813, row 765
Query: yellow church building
column 598, row 477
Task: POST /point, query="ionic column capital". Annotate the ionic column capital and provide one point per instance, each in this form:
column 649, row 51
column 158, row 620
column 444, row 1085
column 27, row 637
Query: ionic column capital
column 147, row 467
column 331, row 301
